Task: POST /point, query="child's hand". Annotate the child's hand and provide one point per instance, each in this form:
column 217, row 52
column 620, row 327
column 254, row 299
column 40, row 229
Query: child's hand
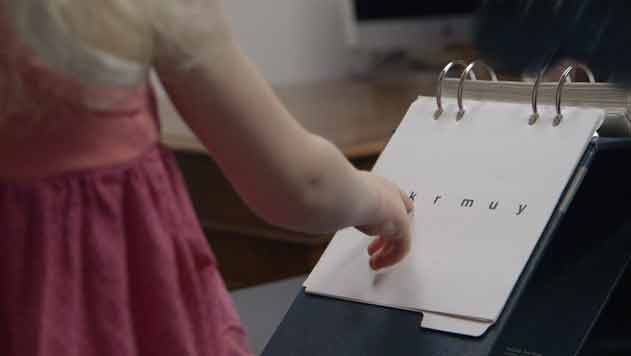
column 391, row 224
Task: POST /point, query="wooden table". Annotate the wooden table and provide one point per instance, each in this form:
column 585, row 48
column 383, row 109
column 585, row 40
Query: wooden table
column 357, row 116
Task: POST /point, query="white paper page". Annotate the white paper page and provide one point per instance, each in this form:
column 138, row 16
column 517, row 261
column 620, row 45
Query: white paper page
column 466, row 259
column 451, row 324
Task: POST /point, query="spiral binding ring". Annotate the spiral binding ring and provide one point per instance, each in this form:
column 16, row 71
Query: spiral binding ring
column 439, row 86
column 559, row 92
column 535, row 94
column 463, row 77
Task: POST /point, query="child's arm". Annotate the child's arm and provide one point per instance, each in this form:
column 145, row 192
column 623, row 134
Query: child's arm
column 286, row 175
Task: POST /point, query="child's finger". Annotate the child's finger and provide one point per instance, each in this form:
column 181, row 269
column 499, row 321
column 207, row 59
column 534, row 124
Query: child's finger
column 376, row 245
column 392, row 253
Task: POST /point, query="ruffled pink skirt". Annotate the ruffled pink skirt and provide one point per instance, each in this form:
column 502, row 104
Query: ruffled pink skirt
column 110, row 262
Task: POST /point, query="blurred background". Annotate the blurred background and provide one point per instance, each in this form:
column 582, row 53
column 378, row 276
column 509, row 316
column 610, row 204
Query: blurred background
column 301, row 40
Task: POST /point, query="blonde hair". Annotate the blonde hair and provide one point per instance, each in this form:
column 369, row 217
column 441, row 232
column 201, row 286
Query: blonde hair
column 112, row 42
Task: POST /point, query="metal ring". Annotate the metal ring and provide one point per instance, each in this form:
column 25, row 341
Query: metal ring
column 439, row 86
column 559, row 92
column 463, row 77
column 534, row 97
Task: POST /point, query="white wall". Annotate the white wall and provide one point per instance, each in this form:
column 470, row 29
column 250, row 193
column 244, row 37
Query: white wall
column 292, row 40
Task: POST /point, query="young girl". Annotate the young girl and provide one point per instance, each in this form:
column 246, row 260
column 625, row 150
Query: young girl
column 100, row 252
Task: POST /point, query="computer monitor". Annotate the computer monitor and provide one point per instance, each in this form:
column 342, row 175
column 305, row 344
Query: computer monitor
column 400, row 25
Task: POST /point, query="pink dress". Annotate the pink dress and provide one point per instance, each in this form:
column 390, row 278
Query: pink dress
column 100, row 249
